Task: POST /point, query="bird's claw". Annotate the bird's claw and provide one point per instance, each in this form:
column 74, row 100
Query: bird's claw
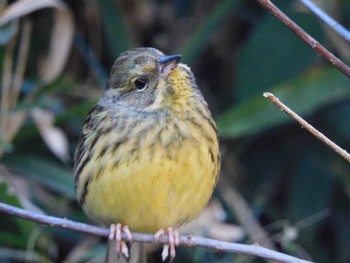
column 116, row 231
column 173, row 236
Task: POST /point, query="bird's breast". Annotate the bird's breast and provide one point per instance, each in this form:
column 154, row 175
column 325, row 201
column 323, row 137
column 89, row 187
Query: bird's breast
column 160, row 176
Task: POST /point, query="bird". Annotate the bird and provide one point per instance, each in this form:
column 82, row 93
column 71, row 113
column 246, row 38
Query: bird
column 148, row 156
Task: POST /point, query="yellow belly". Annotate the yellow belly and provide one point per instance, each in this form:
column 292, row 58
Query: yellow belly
column 156, row 189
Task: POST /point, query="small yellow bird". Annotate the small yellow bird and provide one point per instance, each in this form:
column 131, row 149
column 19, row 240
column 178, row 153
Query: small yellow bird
column 148, row 156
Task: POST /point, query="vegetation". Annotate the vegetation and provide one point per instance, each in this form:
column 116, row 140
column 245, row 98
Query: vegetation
column 295, row 187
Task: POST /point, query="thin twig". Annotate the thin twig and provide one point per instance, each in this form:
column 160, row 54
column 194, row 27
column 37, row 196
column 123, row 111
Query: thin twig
column 307, row 126
column 245, row 217
column 306, row 37
column 189, row 241
column 342, row 31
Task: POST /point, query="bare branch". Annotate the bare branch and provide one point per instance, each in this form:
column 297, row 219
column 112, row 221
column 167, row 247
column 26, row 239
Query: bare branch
column 307, row 126
column 342, row 31
column 189, row 241
column 306, row 37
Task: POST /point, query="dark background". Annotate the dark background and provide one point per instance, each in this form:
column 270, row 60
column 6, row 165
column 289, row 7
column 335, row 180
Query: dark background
column 294, row 187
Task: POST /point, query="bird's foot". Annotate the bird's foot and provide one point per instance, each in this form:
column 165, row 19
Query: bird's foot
column 173, row 241
column 116, row 231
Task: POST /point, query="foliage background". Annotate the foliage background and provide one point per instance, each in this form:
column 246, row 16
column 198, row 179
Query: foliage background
column 295, row 188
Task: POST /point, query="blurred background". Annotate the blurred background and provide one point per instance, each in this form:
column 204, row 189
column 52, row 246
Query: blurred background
column 280, row 187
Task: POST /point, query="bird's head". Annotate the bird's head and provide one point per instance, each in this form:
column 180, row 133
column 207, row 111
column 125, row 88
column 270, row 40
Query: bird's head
column 145, row 79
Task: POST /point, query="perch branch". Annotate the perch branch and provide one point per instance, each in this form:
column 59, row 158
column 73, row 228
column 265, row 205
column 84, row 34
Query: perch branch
column 314, row 44
column 307, row 126
column 342, row 31
column 189, row 241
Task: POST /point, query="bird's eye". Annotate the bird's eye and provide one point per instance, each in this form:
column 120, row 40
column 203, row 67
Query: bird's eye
column 141, row 84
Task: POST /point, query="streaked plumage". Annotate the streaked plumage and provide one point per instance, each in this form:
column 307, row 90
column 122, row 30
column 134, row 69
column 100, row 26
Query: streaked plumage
column 147, row 158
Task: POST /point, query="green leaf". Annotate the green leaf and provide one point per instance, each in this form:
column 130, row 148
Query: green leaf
column 7, row 32
column 14, row 231
column 44, row 171
column 210, row 25
column 274, row 54
column 115, row 30
column 5, row 146
column 7, row 196
column 21, row 255
column 311, row 186
column 304, row 95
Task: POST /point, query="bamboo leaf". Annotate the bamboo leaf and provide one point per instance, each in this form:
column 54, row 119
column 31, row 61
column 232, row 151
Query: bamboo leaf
column 304, row 95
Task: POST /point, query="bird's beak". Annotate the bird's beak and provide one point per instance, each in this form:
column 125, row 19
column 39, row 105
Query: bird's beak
column 167, row 64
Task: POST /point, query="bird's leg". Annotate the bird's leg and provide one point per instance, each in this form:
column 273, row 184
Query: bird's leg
column 173, row 241
column 116, row 234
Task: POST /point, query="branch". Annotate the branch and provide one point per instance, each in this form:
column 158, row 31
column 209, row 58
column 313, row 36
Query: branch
column 307, row 126
column 306, row 37
column 188, row 241
column 342, row 31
